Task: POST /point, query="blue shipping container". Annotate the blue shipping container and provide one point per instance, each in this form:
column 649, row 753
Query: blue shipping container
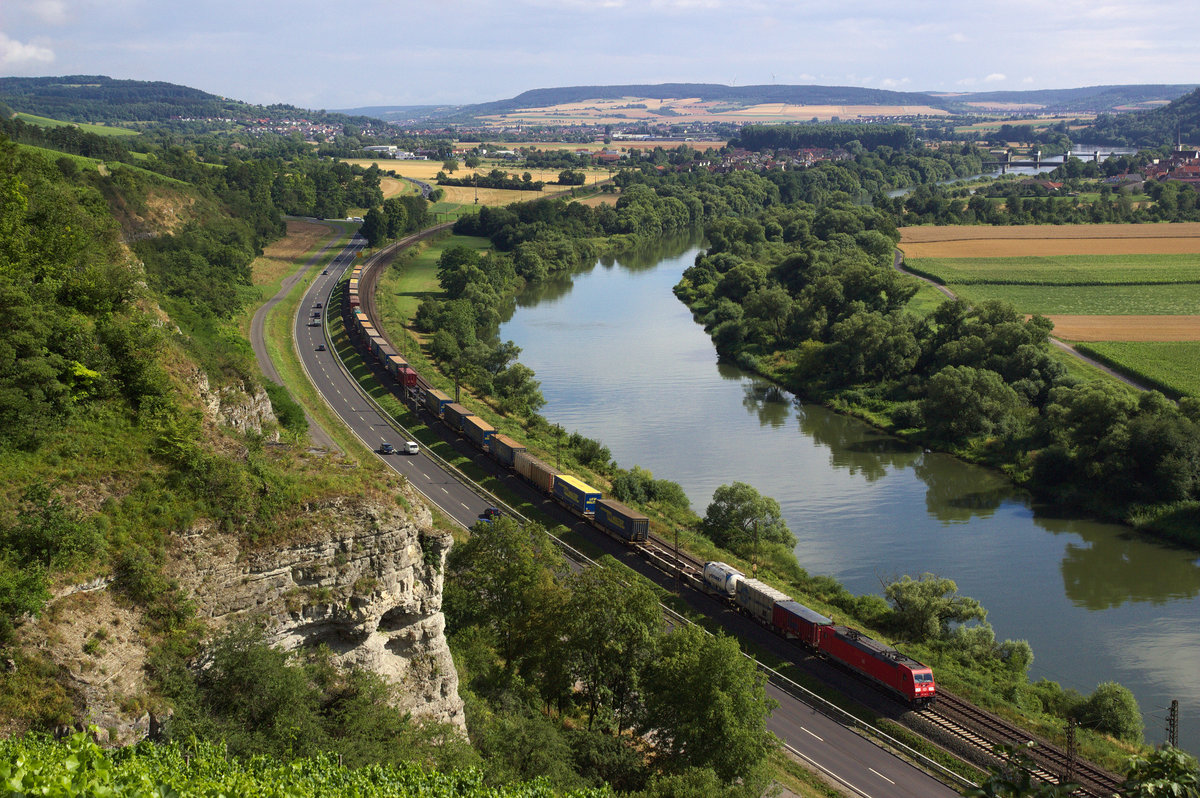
column 621, row 520
column 576, row 493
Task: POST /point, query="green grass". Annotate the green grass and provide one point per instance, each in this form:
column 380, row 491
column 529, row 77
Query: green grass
column 413, row 277
column 1100, row 300
column 1171, row 366
column 100, row 130
column 1072, row 270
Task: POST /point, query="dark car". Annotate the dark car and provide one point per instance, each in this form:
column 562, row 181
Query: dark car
column 317, row 305
column 325, row 271
column 387, row 448
column 320, row 347
column 490, row 514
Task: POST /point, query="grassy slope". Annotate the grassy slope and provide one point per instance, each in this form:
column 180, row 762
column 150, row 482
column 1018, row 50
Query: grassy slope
column 1172, row 366
column 1077, row 270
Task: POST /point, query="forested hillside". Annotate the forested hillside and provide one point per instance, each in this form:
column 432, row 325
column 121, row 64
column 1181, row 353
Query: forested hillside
column 1179, row 121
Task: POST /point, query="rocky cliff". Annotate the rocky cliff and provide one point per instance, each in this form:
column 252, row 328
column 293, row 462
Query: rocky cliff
column 367, row 583
column 365, row 580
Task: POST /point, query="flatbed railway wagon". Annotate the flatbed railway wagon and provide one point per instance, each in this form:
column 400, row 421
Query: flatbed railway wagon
column 627, row 524
column 401, row 372
column 880, row 663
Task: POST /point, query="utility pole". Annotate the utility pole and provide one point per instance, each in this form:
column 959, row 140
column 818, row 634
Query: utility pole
column 1173, row 724
column 1069, row 774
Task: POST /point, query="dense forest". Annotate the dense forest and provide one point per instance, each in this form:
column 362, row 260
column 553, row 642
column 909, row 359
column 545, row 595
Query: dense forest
column 1180, row 120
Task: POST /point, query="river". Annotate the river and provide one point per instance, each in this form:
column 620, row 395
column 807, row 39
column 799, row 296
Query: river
column 621, row 360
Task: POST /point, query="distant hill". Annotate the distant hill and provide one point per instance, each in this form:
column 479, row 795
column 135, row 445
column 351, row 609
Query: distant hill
column 1178, row 121
column 1092, row 99
column 96, row 98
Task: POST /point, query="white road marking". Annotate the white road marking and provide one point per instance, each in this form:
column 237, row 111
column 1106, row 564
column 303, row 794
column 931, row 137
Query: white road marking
column 806, row 731
column 880, row 775
column 825, row 770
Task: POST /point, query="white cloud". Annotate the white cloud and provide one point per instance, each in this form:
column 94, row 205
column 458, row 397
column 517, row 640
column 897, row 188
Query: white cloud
column 18, row 55
column 52, row 12
column 959, row 38
column 995, row 77
column 893, row 83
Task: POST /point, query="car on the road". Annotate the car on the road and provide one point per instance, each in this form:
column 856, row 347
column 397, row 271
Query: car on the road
column 387, row 448
column 490, row 514
column 320, row 347
column 325, row 271
column 318, row 305
column 411, row 447
column 314, row 323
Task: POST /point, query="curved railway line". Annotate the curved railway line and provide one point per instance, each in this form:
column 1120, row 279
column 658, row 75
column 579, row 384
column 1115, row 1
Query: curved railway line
column 953, row 717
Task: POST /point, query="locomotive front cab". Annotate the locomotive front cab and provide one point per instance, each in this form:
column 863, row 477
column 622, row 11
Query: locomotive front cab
column 924, row 689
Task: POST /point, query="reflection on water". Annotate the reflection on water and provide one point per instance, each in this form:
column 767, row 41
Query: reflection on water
column 622, row 361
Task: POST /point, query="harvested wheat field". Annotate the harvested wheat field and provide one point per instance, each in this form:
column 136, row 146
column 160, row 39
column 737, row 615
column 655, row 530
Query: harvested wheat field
column 1021, row 241
column 1127, row 328
column 279, row 258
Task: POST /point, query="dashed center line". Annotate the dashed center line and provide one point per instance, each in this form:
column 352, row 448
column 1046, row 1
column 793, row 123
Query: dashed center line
column 880, row 775
column 806, row 731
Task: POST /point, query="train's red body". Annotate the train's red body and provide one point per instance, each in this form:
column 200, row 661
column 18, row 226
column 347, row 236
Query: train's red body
column 880, row 663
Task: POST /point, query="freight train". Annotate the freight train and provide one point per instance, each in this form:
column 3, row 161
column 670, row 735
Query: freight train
column 880, row 663
column 895, row 672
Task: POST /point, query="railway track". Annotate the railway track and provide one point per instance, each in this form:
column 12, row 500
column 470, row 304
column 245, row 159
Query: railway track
column 953, row 716
column 983, row 731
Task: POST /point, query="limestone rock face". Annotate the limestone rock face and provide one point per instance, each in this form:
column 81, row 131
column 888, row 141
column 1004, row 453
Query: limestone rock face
column 364, row 578
column 367, row 583
column 235, row 406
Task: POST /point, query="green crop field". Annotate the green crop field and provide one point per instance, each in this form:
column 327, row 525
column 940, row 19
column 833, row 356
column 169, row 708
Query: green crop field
column 1091, row 300
column 1070, row 270
column 1172, row 366
column 100, row 130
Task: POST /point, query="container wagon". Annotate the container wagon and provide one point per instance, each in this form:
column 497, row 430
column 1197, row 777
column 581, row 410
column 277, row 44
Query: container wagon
column 796, row 622
column 575, row 493
column 534, row 470
column 436, row 401
column 453, row 414
column 758, row 599
column 880, row 663
column 477, row 430
column 504, row 449
column 623, row 522
column 400, row 370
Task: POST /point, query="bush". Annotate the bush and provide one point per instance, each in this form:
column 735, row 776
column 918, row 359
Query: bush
column 1113, row 710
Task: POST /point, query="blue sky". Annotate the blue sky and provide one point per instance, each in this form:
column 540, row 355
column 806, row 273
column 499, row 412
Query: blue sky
column 400, row 52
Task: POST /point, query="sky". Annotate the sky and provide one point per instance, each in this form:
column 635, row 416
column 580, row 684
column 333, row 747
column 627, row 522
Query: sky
column 356, row 53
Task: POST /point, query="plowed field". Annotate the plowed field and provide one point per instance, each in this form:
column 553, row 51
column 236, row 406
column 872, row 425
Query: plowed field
column 1127, row 328
column 978, row 241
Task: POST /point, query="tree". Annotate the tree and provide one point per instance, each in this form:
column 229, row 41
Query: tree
column 1166, row 771
column 924, row 609
column 506, row 580
column 451, row 165
column 706, row 705
column 961, row 402
column 739, row 517
column 615, row 625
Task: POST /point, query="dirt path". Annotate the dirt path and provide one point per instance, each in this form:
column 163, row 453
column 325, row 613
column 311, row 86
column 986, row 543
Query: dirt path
column 898, row 265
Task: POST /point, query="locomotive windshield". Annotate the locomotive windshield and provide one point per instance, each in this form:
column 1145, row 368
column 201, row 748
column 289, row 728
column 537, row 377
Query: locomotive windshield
column 923, row 677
